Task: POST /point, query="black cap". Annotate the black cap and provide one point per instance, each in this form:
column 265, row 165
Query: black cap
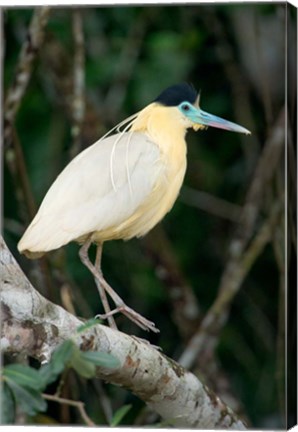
column 174, row 95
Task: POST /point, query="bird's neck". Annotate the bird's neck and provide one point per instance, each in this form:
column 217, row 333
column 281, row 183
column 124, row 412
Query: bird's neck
column 164, row 126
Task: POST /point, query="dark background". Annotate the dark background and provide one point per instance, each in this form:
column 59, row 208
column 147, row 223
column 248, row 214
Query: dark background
column 235, row 55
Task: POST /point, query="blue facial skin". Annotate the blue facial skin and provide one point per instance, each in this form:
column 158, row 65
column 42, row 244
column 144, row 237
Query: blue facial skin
column 196, row 115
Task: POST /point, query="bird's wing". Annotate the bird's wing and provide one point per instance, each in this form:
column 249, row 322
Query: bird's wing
column 98, row 189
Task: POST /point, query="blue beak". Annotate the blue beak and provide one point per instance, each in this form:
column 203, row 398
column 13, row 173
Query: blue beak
column 201, row 117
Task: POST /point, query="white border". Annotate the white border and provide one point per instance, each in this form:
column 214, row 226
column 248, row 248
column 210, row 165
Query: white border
column 33, row 3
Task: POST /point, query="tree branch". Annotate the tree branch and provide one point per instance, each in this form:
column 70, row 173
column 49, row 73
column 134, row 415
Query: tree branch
column 210, row 203
column 13, row 154
column 35, row 326
column 23, row 72
column 78, row 104
column 78, row 404
column 184, row 304
column 216, row 317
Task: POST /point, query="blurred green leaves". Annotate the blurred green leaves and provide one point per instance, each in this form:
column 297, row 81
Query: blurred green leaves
column 119, row 414
column 24, row 376
column 165, row 58
column 23, row 385
column 29, row 400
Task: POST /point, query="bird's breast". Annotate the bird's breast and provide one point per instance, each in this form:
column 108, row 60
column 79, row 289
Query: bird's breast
column 171, row 168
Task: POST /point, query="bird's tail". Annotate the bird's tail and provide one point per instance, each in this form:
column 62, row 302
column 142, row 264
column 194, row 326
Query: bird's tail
column 41, row 238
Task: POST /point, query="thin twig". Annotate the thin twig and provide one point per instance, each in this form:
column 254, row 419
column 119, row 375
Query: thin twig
column 103, row 399
column 14, row 155
column 263, row 174
column 58, row 81
column 186, row 310
column 239, row 85
column 78, row 105
column 78, row 404
column 211, row 204
column 125, row 66
column 22, row 76
column 235, row 274
column 63, row 279
column 15, row 161
column 16, row 164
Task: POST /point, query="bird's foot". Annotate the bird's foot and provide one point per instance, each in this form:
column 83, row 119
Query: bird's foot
column 138, row 319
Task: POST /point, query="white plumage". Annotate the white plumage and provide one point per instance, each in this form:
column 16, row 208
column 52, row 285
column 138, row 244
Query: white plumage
column 119, row 187
column 92, row 195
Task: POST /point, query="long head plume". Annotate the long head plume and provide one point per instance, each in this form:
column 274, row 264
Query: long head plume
column 198, row 99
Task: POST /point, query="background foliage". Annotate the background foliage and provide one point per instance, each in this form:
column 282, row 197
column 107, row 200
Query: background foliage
column 235, row 55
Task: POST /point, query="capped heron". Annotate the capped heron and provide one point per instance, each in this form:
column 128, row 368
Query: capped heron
column 121, row 186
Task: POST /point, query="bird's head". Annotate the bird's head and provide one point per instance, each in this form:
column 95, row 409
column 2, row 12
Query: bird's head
column 185, row 99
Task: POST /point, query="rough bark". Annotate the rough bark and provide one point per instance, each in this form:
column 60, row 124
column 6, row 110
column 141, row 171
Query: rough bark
column 34, row 326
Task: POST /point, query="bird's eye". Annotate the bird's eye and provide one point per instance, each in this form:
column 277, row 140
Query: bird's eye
column 185, row 107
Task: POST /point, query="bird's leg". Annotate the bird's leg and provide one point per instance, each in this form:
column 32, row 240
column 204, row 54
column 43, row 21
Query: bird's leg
column 126, row 310
column 83, row 253
column 102, row 285
column 102, row 291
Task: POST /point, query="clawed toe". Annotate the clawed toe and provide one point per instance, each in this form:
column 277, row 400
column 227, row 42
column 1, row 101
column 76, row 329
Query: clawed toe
column 138, row 319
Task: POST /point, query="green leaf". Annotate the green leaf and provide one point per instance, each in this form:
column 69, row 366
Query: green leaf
column 101, row 359
column 24, row 375
column 48, row 374
column 88, row 324
column 29, row 400
column 8, row 405
column 83, row 367
column 62, row 355
column 119, row 414
column 60, row 358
